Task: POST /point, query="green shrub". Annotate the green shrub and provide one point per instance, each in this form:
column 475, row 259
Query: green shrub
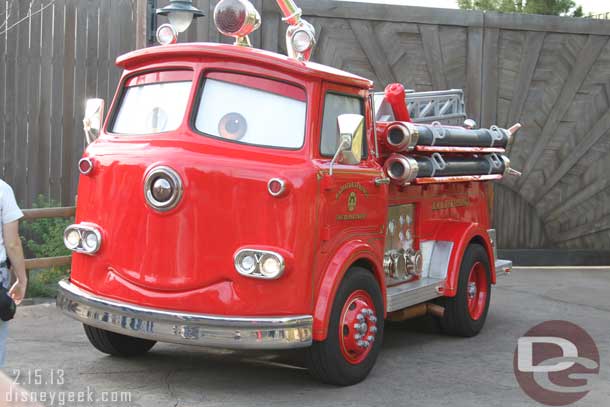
column 44, row 238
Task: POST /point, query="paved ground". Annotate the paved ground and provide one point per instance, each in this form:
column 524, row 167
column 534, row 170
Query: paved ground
column 417, row 365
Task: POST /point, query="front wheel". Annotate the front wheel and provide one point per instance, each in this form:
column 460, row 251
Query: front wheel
column 116, row 344
column 465, row 314
column 355, row 332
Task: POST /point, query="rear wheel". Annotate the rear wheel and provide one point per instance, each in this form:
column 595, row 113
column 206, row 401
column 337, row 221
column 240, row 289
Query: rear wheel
column 465, row 313
column 116, row 344
column 355, row 332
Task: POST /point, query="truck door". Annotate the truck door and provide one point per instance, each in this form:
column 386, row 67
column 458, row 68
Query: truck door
column 354, row 199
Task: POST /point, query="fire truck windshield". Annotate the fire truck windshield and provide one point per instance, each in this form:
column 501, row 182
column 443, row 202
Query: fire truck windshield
column 152, row 108
column 252, row 110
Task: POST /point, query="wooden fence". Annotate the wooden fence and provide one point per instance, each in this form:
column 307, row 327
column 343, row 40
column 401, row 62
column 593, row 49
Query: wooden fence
column 550, row 73
column 53, row 55
column 48, row 213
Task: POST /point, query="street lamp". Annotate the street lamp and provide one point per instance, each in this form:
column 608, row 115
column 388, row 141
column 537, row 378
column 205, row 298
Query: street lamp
column 180, row 13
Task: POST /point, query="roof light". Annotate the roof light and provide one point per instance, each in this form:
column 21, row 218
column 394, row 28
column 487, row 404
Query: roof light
column 302, row 40
column 167, row 34
column 237, row 19
column 180, row 14
column 301, row 35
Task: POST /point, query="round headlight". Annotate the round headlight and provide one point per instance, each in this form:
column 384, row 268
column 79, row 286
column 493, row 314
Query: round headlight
column 271, row 266
column 91, row 241
column 247, row 263
column 302, row 41
column 72, row 239
column 167, row 34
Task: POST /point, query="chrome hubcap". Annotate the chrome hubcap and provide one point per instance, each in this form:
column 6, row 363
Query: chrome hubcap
column 472, row 290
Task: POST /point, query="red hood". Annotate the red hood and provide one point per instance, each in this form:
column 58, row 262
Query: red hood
column 189, row 250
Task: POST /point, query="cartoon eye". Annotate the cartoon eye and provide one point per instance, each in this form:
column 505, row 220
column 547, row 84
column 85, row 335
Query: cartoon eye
column 233, row 126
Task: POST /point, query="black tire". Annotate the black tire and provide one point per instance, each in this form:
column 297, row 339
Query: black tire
column 325, row 360
column 457, row 320
column 116, row 344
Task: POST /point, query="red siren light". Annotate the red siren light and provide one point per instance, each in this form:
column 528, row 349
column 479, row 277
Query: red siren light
column 236, row 18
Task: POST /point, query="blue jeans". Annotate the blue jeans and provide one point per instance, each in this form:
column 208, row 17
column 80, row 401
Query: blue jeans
column 5, row 281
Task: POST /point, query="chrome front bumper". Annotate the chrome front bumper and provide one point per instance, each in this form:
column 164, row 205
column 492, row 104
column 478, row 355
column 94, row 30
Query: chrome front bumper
column 184, row 328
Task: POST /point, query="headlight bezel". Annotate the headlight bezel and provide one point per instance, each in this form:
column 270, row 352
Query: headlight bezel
column 260, row 256
column 84, row 231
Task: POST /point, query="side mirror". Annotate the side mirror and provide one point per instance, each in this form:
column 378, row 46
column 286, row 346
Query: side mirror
column 351, row 134
column 94, row 119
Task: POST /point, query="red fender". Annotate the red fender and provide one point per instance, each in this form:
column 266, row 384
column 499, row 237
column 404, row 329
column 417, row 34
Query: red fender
column 346, row 256
column 462, row 234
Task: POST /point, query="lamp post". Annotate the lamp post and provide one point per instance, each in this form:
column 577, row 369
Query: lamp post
column 179, row 12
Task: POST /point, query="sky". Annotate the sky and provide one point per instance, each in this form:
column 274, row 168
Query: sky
column 589, row 6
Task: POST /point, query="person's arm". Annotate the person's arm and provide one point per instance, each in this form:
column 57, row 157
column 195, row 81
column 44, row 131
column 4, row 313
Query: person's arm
column 14, row 251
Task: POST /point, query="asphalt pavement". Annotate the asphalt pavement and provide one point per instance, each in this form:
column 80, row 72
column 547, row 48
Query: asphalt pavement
column 50, row 357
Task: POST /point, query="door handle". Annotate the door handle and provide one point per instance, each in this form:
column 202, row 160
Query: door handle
column 382, row 181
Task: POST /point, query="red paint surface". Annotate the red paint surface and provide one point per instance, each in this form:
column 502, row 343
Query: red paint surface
column 183, row 260
column 395, row 95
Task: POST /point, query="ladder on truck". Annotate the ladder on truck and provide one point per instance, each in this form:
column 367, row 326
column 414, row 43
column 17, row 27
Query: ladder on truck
column 444, row 106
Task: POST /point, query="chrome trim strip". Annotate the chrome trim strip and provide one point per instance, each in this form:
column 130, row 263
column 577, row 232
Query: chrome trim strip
column 184, row 328
column 436, row 254
column 492, row 239
column 408, row 294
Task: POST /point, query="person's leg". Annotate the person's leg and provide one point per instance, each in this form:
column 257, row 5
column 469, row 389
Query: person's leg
column 3, row 336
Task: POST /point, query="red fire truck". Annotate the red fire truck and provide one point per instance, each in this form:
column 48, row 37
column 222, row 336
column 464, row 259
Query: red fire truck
column 238, row 198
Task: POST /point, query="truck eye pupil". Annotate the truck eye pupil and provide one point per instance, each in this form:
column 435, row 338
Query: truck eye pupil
column 233, row 126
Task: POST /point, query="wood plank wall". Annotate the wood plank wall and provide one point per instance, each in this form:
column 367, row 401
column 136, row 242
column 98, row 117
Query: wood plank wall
column 552, row 74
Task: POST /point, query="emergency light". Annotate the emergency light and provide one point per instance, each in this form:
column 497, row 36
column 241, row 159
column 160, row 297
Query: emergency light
column 237, row 19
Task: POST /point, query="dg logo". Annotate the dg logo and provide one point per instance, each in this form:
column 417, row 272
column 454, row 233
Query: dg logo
column 556, row 363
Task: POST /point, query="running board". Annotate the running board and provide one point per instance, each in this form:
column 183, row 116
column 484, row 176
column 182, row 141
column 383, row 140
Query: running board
column 426, row 289
column 408, row 294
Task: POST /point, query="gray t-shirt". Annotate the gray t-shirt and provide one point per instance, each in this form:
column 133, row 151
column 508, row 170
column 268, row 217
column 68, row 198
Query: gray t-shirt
column 9, row 212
